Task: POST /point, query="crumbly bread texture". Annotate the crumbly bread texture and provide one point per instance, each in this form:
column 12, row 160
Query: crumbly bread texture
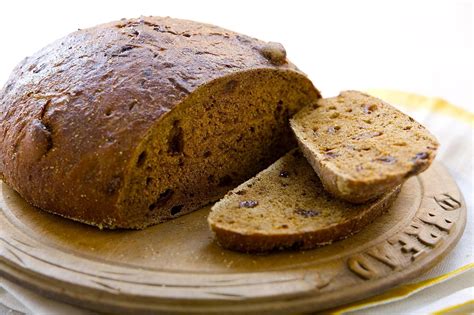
column 286, row 207
column 138, row 121
column 360, row 146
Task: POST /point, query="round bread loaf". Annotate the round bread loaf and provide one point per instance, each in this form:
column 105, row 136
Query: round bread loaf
column 134, row 122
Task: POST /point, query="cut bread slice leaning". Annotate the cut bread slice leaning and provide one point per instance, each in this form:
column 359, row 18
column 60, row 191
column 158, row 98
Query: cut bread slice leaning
column 360, row 146
column 286, row 207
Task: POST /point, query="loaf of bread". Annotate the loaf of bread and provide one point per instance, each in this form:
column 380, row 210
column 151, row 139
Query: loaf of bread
column 360, row 146
column 286, row 207
column 138, row 121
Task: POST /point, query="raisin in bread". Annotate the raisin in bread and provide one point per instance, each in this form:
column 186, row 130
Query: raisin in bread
column 286, row 206
column 360, row 146
column 138, row 121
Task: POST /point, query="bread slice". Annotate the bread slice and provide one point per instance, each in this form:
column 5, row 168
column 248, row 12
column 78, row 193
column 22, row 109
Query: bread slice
column 360, row 146
column 138, row 121
column 285, row 206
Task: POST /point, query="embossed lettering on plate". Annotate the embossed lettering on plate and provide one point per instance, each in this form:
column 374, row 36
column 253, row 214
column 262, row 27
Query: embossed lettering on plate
column 428, row 229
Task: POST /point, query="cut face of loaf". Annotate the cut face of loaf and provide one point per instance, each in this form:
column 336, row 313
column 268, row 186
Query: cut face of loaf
column 361, row 146
column 137, row 121
column 218, row 137
column 286, row 207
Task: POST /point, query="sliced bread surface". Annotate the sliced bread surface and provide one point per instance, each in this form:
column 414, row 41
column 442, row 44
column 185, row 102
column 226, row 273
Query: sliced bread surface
column 286, row 207
column 360, row 146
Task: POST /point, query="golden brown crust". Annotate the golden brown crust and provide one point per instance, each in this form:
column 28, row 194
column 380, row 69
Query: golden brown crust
column 361, row 146
column 72, row 114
